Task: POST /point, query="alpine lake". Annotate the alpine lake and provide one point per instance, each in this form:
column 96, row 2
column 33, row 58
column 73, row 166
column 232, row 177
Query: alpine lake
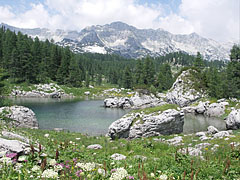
column 92, row 118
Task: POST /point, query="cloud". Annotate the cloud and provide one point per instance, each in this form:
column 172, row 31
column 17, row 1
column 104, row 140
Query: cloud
column 217, row 19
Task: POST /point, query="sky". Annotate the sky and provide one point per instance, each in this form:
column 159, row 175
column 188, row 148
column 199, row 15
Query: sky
column 215, row 19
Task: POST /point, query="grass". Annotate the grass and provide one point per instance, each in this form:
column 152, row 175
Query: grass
column 156, row 109
column 161, row 157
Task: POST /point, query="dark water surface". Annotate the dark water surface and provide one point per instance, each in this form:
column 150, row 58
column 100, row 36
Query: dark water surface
column 85, row 116
column 90, row 117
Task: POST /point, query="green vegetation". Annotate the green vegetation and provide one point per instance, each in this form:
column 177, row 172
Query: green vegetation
column 157, row 109
column 69, row 149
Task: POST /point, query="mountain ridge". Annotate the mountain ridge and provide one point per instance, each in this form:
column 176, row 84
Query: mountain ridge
column 129, row 41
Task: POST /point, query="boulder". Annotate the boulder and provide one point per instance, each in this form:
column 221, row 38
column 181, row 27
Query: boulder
column 122, row 102
column 212, row 130
column 118, row 157
column 12, row 146
column 20, row 116
column 202, row 107
column 137, row 125
column 199, row 134
column 215, row 110
column 11, row 135
column 182, row 91
column 94, row 146
column 233, row 120
column 221, row 134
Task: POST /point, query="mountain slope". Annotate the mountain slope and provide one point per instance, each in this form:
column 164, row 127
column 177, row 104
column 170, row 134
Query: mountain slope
column 130, row 42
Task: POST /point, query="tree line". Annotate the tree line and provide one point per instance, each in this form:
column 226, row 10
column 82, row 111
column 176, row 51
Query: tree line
column 23, row 59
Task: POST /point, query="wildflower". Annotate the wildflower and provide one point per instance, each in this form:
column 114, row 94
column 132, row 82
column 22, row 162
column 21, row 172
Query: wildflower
column 6, row 160
column 58, row 167
column 152, row 175
column 119, row 174
column 89, row 176
column 35, row 168
column 52, row 162
column 3, row 153
column 11, row 155
column 46, row 135
column 86, row 167
column 22, row 158
column 49, row 173
column 78, row 173
column 163, row 177
column 101, row 171
column 130, row 177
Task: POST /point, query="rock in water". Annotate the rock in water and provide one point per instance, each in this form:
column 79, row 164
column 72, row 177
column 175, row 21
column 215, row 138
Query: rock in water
column 182, row 91
column 20, row 116
column 233, row 120
column 137, row 125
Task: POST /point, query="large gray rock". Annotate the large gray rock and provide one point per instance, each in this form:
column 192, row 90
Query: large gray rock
column 233, row 120
column 182, row 91
column 122, row 102
column 137, row 101
column 20, row 116
column 12, row 146
column 215, row 110
column 137, row 125
column 11, row 135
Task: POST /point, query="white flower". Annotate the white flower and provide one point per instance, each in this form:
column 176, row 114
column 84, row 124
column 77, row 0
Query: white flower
column 49, row 173
column 22, row 158
column 58, row 168
column 87, row 166
column 152, row 175
column 101, row 171
column 163, row 177
column 52, row 162
column 46, row 135
column 3, row 153
column 119, row 174
column 35, row 168
column 6, row 160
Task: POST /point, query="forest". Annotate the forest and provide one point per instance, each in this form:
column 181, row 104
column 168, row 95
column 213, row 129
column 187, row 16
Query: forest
column 27, row 60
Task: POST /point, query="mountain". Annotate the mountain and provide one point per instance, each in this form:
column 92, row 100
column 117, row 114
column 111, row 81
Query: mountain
column 130, row 42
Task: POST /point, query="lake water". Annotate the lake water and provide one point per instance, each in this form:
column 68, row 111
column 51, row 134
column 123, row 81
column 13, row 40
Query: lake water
column 90, row 117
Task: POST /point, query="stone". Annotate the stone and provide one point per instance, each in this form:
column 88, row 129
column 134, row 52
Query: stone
column 215, row 110
column 201, row 108
column 233, row 120
column 221, row 134
column 212, row 130
column 167, row 122
column 204, row 138
column 87, row 93
column 199, row 134
column 94, row 146
column 20, row 116
column 12, row 146
column 176, row 141
column 58, row 129
column 11, row 135
column 118, row 157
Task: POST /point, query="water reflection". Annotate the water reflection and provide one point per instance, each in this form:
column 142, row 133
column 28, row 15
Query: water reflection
column 195, row 123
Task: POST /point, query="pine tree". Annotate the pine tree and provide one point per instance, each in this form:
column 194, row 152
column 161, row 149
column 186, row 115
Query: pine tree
column 74, row 78
column 198, row 63
column 165, row 78
column 148, row 71
column 127, row 78
column 139, row 76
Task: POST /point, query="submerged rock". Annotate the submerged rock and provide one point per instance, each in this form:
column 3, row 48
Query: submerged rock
column 137, row 125
column 233, row 120
column 19, row 116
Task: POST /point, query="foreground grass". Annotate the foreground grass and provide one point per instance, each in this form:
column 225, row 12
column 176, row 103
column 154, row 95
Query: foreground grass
column 162, row 159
